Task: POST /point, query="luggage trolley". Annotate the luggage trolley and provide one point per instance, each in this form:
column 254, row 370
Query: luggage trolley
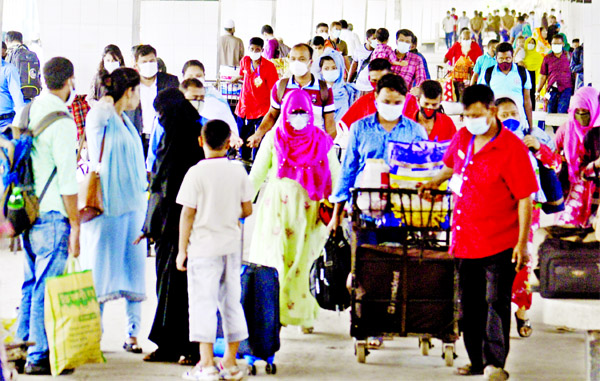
column 403, row 279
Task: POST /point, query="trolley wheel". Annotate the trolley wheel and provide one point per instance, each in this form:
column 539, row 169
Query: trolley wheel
column 361, row 352
column 271, row 369
column 252, row 369
column 425, row 344
column 449, row 354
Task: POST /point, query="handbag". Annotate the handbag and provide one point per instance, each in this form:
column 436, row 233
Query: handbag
column 90, row 202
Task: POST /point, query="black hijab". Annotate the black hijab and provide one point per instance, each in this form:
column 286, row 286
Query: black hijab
column 178, row 151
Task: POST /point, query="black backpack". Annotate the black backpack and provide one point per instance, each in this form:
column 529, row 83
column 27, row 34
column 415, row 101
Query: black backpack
column 520, row 69
column 28, row 65
column 329, row 273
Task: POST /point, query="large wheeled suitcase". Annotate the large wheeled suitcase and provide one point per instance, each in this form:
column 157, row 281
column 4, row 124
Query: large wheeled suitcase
column 569, row 266
column 403, row 279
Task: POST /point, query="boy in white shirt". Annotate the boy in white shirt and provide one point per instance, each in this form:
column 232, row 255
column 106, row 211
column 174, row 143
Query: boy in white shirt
column 215, row 194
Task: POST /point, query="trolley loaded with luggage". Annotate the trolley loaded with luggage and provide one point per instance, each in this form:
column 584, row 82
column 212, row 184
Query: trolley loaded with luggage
column 403, row 279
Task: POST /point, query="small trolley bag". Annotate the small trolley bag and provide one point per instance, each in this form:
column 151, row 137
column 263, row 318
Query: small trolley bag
column 569, row 265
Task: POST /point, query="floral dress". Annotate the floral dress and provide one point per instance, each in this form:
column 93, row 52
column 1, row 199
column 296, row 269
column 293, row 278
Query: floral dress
column 288, row 234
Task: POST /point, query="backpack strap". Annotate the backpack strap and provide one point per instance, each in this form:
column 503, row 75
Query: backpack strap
column 47, row 121
column 281, row 86
column 488, row 75
column 52, row 175
column 324, row 92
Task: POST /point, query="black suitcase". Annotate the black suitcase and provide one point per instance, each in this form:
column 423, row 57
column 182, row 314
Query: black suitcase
column 569, row 269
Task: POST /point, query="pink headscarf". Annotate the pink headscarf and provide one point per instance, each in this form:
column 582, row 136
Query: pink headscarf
column 584, row 98
column 302, row 154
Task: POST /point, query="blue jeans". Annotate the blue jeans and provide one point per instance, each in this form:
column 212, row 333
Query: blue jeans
column 134, row 317
column 449, row 39
column 559, row 101
column 46, row 247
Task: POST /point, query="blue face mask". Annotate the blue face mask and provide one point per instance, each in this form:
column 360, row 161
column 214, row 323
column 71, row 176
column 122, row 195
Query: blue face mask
column 512, row 124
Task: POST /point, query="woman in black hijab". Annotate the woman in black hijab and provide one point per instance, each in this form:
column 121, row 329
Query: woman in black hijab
column 178, row 151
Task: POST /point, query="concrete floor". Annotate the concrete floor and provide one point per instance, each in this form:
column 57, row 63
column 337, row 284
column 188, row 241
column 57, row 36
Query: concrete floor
column 325, row 355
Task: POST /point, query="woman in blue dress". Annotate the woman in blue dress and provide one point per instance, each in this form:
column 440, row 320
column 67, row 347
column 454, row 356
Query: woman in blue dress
column 107, row 241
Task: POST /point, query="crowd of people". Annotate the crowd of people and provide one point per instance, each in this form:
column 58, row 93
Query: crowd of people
column 161, row 148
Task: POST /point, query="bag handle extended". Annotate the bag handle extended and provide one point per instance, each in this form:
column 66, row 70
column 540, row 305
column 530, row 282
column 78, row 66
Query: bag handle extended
column 72, row 266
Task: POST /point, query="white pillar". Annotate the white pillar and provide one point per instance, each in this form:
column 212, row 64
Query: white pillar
column 136, row 22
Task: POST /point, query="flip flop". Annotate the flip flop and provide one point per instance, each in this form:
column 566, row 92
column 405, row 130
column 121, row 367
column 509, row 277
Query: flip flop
column 468, row 370
column 188, row 360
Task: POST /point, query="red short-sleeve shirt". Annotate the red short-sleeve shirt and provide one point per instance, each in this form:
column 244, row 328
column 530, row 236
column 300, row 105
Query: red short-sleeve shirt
column 255, row 98
column 443, row 127
column 486, row 220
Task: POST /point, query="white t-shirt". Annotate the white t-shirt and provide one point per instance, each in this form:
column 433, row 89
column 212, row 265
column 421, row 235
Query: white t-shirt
column 216, row 188
column 360, row 55
column 448, row 24
column 147, row 96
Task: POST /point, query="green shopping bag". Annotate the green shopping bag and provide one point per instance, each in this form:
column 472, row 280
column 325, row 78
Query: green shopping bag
column 72, row 319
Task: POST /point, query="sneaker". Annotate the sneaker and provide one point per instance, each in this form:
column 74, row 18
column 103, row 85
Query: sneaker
column 198, row 373
column 493, row 373
column 231, row 373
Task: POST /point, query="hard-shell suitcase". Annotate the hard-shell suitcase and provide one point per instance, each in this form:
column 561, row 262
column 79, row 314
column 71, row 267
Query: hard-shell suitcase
column 569, row 269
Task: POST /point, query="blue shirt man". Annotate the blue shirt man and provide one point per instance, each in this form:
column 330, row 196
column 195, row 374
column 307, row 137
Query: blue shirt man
column 511, row 85
column 11, row 97
column 484, row 62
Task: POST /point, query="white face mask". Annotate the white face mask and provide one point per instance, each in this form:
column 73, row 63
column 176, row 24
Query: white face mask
column 111, row 66
column 374, row 43
column 530, row 46
column 254, row 56
column 330, row 75
column 557, row 48
column 336, row 33
column 198, row 105
column 465, row 44
column 325, row 35
column 390, row 112
column 202, row 80
column 298, row 121
column 477, row 126
column 403, row 47
column 148, row 69
column 72, row 96
column 298, row 69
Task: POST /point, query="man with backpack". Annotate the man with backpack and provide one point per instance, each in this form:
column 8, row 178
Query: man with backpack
column 55, row 233
column 27, row 63
column 11, row 98
column 506, row 79
column 303, row 79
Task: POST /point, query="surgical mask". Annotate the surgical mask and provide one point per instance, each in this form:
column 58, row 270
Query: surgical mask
column 373, row 43
column 111, row 66
column 374, row 84
column 298, row 69
column 477, row 126
column 428, row 113
column 202, row 80
column 336, row 33
column 330, row 75
column 324, row 35
column 390, row 112
column 403, row 47
column 465, row 44
column 504, row 66
column 530, row 46
column 254, row 56
column 198, row 105
column 557, row 48
column 72, row 96
column 298, row 121
column 148, row 69
column 512, row 124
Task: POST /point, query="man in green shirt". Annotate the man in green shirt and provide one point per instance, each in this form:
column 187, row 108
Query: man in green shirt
column 55, row 234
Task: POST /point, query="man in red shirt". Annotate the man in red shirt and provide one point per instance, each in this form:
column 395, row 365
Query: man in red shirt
column 259, row 75
column 365, row 105
column 464, row 47
column 493, row 180
column 438, row 125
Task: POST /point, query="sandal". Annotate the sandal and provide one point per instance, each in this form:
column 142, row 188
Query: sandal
column 188, row 360
column 523, row 326
column 158, row 356
column 132, row 348
column 468, row 370
column 374, row 342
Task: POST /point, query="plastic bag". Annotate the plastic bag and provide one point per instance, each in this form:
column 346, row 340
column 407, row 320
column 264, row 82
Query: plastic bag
column 72, row 319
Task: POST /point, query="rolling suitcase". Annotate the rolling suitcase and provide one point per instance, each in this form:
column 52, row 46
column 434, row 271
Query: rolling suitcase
column 260, row 300
column 569, row 268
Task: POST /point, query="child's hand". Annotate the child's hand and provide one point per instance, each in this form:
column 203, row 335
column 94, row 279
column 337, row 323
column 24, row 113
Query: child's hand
column 180, row 261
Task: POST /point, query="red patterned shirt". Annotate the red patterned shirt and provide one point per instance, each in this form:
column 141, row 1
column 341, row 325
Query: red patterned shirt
column 79, row 108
